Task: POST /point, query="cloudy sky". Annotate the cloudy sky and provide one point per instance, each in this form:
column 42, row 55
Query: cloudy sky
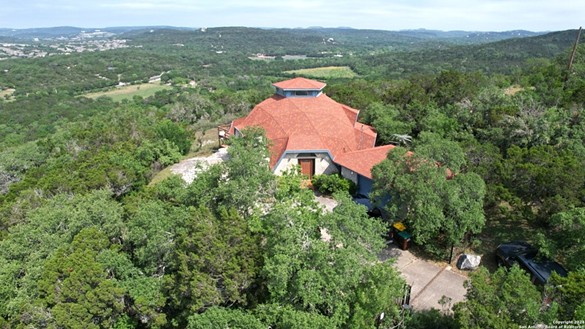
column 470, row 15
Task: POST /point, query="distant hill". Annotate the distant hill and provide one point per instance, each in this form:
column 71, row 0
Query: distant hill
column 502, row 56
column 316, row 41
column 545, row 45
column 470, row 37
column 377, row 35
column 70, row 31
column 41, row 33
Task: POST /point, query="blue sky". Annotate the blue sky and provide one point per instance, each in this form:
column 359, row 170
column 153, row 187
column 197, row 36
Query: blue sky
column 470, row 15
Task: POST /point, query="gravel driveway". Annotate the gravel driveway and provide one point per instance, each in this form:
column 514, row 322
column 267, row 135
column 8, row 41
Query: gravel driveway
column 189, row 168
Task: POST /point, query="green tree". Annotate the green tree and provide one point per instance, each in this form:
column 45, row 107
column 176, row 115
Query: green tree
column 224, row 318
column 372, row 298
column 144, row 298
column 194, row 108
column 569, row 293
column 329, row 184
column 442, row 123
column 438, row 211
column 245, row 181
column 386, row 120
column 215, row 262
column 152, row 228
column 565, row 238
column 453, row 86
column 325, row 264
column 16, row 161
column 504, row 299
column 431, row 319
column 543, row 174
column 444, row 152
column 75, row 286
column 285, row 316
column 175, row 134
column 47, row 227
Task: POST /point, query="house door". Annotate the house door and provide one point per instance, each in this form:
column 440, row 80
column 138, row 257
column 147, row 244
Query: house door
column 307, row 167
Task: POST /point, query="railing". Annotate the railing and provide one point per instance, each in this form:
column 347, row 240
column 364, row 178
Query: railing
column 223, row 133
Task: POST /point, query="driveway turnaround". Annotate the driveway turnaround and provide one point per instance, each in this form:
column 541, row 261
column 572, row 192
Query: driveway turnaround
column 189, row 168
column 429, row 281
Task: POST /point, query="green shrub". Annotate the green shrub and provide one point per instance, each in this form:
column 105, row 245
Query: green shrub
column 175, row 134
column 329, row 184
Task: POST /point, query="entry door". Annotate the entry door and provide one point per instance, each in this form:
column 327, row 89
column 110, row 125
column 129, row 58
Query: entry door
column 307, row 167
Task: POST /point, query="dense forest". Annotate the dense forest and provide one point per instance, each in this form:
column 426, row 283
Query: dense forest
column 88, row 241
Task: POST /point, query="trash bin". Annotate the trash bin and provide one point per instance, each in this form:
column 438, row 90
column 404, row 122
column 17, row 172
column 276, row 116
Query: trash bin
column 399, row 226
column 403, row 240
column 395, row 229
column 400, row 236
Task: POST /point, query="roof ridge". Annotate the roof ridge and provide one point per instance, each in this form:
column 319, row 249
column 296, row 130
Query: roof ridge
column 264, row 110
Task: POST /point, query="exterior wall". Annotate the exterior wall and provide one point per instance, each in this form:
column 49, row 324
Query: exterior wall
column 351, row 175
column 287, row 161
column 323, row 164
column 365, row 185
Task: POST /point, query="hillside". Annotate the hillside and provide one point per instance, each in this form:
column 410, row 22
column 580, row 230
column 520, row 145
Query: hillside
column 502, row 56
column 136, row 55
column 487, row 137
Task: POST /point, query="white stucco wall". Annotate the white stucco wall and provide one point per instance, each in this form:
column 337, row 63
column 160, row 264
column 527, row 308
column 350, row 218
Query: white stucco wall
column 349, row 175
column 288, row 161
column 323, row 164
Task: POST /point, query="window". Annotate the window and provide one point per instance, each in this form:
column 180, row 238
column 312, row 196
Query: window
column 302, row 93
column 306, row 155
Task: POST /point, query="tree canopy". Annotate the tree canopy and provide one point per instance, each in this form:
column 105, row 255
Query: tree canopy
column 489, row 141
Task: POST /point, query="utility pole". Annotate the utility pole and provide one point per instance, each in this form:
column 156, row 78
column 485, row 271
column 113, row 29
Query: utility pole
column 572, row 58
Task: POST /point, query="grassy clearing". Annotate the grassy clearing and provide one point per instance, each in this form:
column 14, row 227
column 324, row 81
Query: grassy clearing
column 160, row 176
column 128, row 92
column 513, row 90
column 7, row 94
column 328, row 72
column 501, row 230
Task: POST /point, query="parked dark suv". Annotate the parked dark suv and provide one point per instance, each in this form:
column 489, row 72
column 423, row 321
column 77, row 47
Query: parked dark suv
column 523, row 254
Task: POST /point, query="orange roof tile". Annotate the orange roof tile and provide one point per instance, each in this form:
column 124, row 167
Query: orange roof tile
column 308, row 123
column 300, row 84
column 362, row 161
column 365, row 136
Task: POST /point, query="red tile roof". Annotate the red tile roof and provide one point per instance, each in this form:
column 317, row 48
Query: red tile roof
column 365, row 136
column 308, row 123
column 362, row 161
column 300, row 84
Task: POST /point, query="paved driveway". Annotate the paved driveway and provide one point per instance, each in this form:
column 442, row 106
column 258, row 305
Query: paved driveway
column 429, row 281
